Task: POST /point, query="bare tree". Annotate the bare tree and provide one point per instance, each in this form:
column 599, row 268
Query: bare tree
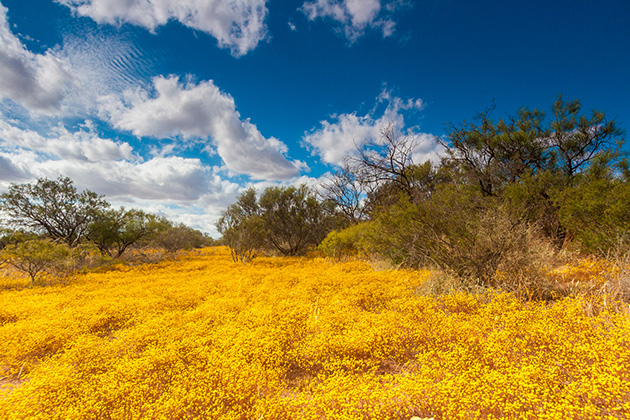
column 388, row 160
column 347, row 192
column 379, row 172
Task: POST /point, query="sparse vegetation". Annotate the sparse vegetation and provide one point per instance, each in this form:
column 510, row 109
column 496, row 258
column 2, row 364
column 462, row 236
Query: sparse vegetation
column 36, row 257
column 52, row 213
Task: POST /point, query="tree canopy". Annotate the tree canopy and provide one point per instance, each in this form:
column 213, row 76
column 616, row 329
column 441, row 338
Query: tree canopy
column 286, row 220
column 54, row 207
column 113, row 231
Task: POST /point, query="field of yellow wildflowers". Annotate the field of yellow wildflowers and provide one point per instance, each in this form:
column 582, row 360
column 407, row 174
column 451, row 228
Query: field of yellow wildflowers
column 296, row 338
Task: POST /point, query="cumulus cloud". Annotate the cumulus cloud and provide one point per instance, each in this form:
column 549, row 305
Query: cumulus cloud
column 38, row 82
column 201, row 111
column 355, row 16
column 171, row 178
column 236, row 24
column 82, row 145
column 107, row 166
column 335, row 140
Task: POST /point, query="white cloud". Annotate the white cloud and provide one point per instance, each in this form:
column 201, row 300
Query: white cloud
column 181, row 189
column 106, row 166
column 170, row 179
column 236, row 24
column 355, row 16
column 82, row 145
column 335, row 140
column 201, row 111
column 9, row 171
column 68, row 79
column 102, row 64
column 38, row 82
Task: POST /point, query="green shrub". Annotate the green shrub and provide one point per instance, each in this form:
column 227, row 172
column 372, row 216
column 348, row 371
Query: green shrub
column 349, row 242
column 467, row 235
column 597, row 214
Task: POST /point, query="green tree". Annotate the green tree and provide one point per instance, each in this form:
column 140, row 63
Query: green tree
column 287, row 220
column 114, row 231
column 178, row 237
column 294, row 219
column 242, row 228
column 53, row 207
column 576, row 141
column 596, row 213
column 493, row 154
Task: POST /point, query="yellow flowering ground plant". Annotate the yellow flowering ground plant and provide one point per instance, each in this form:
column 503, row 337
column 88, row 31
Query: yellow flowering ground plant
column 297, row 338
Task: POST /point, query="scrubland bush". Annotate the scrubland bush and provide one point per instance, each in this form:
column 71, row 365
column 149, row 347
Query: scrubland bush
column 38, row 258
column 349, row 242
column 460, row 232
column 507, row 201
column 46, row 261
column 597, row 214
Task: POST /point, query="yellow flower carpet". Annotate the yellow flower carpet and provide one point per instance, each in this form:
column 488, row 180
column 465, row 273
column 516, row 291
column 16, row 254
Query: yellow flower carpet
column 298, row 338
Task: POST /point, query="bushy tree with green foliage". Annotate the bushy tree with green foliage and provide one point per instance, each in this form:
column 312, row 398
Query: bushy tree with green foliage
column 493, row 154
column 530, row 162
column 113, row 231
column 177, row 237
column 54, row 207
column 596, row 213
column 294, row 219
column 287, row 220
column 242, row 228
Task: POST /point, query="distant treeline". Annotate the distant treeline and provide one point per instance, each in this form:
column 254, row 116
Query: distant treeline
column 50, row 223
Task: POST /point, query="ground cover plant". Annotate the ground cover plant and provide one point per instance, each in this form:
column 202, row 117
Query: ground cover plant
column 303, row 338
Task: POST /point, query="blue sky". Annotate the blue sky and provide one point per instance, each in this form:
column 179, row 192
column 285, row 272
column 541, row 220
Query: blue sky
column 176, row 106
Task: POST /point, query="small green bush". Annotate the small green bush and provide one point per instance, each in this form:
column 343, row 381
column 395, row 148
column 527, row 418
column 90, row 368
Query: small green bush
column 349, row 242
